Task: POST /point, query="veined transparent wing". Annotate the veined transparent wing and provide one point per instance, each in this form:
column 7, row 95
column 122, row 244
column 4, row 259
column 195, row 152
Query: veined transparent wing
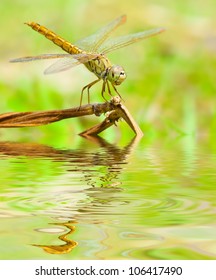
column 39, row 57
column 64, row 62
column 122, row 41
column 68, row 62
column 93, row 42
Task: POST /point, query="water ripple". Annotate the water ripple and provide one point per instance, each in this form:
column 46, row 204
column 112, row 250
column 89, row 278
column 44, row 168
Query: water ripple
column 105, row 204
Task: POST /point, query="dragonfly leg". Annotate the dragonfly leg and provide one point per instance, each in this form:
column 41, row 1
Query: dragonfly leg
column 87, row 87
column 103, row 89
column 117, row 92
column 108, row 87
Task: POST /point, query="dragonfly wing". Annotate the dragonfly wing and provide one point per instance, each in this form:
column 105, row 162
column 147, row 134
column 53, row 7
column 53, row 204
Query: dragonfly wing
column 122, row 41
column 68, row 62
column 92, row 43
column 39, row 57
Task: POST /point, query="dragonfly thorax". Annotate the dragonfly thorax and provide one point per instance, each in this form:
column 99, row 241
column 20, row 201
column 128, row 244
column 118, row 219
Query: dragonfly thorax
column 116, row 75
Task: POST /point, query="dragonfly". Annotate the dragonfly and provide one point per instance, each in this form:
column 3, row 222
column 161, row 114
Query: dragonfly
column 91, row 51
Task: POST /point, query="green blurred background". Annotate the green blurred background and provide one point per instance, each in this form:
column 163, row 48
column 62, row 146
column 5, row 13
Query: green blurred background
column 162, row 190
column 170, row 88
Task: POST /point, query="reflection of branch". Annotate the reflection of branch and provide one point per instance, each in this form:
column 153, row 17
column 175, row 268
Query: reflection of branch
column 114, row 107
column 76, row 156
column 81, row 160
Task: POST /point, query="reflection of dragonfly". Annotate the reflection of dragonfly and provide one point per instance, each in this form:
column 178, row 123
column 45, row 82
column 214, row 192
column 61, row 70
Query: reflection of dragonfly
column 91, row 52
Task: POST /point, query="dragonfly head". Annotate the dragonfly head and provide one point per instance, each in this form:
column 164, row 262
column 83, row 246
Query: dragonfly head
column 116, row 75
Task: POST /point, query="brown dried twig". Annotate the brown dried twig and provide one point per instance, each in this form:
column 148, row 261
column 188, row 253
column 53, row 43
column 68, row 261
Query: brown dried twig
column 114, row 107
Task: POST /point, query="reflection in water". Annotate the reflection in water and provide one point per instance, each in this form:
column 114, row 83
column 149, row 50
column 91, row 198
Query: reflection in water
column 109, row 156
column 157, row 204
column 100, row 169
column 61, row 249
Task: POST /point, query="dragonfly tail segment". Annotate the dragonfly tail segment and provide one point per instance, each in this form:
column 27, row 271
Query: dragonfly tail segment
column 66, row 46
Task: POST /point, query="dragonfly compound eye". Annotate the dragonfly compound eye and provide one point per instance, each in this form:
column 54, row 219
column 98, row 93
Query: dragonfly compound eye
column 116, row 75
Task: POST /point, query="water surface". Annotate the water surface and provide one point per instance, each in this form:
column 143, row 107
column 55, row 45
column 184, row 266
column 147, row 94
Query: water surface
column 106, row 201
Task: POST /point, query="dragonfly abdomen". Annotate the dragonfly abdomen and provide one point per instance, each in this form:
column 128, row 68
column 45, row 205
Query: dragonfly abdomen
column 66, row 46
